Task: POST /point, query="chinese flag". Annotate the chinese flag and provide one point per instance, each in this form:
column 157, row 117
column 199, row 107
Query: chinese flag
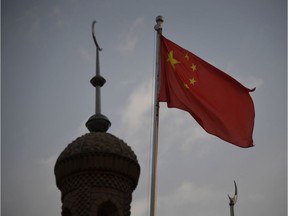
column 219, row 103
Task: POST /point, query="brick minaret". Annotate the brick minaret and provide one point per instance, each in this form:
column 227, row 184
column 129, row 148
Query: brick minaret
column 97, row 172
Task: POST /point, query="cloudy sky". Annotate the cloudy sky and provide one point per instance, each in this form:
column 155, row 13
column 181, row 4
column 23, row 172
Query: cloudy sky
column 48, row 59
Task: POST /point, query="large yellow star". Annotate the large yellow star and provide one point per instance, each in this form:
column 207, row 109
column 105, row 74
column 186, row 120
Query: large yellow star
column 172, row 60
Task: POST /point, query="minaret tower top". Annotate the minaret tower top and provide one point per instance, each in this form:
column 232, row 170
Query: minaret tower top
column 97, row 122
column 97, row 172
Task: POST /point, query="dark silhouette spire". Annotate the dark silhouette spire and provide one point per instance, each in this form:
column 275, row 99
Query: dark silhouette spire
column 97, row 122
column 97, row 172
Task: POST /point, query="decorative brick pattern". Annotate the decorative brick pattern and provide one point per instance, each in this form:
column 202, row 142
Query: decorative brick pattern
column 97, row 180
column 94, row 172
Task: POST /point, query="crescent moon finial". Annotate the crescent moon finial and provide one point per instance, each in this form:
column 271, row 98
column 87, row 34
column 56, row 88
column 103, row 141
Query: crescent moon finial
column 94, row 35
column 233, row 199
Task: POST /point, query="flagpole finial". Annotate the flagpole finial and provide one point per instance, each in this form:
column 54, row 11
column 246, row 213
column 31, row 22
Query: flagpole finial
column 159, row 21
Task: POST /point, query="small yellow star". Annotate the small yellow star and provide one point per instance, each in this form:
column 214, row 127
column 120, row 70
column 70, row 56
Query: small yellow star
column 192, row 81
column 187, row 56
column 186, row 85
column 193, row 67
column 172, row 60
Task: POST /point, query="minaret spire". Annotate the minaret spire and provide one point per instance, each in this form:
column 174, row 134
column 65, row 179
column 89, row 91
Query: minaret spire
column 97, row 122
column 97, row 172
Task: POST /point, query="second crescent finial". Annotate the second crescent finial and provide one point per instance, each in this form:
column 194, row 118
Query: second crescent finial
column 233, row 199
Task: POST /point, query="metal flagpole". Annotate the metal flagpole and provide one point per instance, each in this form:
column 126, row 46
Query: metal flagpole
column 153, row 196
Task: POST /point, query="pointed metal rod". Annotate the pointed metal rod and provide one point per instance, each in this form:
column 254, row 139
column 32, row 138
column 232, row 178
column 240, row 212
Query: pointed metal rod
column 233, row 200
column 97, row 122
column 98, row 88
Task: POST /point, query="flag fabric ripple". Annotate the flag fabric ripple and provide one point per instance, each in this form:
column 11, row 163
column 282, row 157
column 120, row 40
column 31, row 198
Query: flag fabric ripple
column 219, row 103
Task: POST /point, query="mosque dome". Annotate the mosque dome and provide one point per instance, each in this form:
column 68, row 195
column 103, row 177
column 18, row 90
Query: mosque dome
column 97, row 152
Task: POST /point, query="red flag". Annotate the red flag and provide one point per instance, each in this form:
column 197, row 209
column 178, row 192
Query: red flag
column 219, row 103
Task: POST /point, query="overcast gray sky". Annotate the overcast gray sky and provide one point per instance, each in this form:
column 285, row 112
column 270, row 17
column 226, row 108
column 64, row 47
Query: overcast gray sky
column 48, row 59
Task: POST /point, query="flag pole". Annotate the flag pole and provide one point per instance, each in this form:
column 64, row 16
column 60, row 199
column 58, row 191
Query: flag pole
column 153, row 195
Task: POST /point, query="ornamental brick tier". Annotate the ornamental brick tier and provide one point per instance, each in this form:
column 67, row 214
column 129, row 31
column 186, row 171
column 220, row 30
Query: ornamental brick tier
column 96, row 175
